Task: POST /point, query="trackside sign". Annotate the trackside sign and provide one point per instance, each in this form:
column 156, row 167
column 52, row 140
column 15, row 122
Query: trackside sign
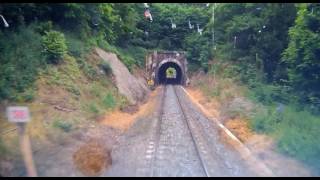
column 18, row 114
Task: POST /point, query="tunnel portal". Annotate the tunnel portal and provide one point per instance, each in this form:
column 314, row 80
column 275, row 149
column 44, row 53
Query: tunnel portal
column 158, row 63
column 164, row 78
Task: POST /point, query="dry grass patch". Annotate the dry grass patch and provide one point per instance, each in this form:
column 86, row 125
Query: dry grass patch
column 123, row 119
column 92, row 158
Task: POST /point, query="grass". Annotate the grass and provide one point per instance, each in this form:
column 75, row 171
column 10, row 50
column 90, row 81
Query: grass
column 27, row 96
column 295, row 132
column 101, row 102
column 220, row 89
column 65, row 75
column 131, row 56
column 109, row 101
column 96, row 89
column 3, row 149
column 265, row 120
column 63, row 125
column 76, row 47
column 137, row 54
column 93, row 108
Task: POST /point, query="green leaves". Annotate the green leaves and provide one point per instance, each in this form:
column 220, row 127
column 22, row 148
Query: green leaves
column 302, row 55
column 19, row 62
column 55, row 46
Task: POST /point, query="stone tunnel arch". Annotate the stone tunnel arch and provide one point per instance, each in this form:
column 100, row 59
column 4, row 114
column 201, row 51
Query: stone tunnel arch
column 159, row 61
column 161, row 75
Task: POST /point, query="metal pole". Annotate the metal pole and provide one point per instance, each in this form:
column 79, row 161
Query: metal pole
column 213, row 34
column 214, row 4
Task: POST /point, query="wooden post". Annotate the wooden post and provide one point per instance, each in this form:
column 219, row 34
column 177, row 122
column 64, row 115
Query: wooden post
column 26, row 150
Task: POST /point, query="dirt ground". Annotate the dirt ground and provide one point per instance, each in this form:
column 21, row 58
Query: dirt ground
column 261, row 146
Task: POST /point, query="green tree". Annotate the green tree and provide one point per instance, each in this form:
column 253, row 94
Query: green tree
column 255, row 35
column 303, row 54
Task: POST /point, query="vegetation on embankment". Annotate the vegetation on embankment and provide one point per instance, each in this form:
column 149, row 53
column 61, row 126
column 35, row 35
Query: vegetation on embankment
column 66, row 97
column 50, row 67
column 275, row 57
column 293, row 129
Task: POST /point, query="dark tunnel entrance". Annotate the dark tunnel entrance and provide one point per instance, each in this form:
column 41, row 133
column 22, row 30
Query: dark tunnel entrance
column 169, row 73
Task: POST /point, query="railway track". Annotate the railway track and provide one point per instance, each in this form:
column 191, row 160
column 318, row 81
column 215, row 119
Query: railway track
column 177, row 140
column 195, row 139
column 186, row 143
column 169, row 142
column 158, row 131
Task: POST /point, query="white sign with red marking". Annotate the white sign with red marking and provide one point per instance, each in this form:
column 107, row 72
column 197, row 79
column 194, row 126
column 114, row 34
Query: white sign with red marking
column 18, row 114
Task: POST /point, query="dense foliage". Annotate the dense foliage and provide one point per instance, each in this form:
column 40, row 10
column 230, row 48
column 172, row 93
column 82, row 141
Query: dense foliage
column 20, row 59
column 274, row 48
column 303, row 54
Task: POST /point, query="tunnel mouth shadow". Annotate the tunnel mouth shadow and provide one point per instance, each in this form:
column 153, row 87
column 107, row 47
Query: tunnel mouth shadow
column 162, row 74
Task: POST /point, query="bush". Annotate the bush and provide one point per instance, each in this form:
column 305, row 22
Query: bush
column 60, row 124
column 128, row 61
column 93, row 108
column 74, row 90
column 125, row 57
column 55, row 46
column 137, row 53
column 265, row 120
column 44, row 27
column 27, row 96
column 109, row 101
column 106, row 46
column 96, row 90
column 88, row 69
column 20, row 61
column 90, row 72
column 298, row 136
column 268, row 94
column 294, row 131
column 76, row 47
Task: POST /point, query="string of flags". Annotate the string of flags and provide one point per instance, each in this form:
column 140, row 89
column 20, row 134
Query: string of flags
column 146, row 5
column 148, row 16
column 190, row 26
column 199, row 30
column 147, row 12
column 173, row 25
